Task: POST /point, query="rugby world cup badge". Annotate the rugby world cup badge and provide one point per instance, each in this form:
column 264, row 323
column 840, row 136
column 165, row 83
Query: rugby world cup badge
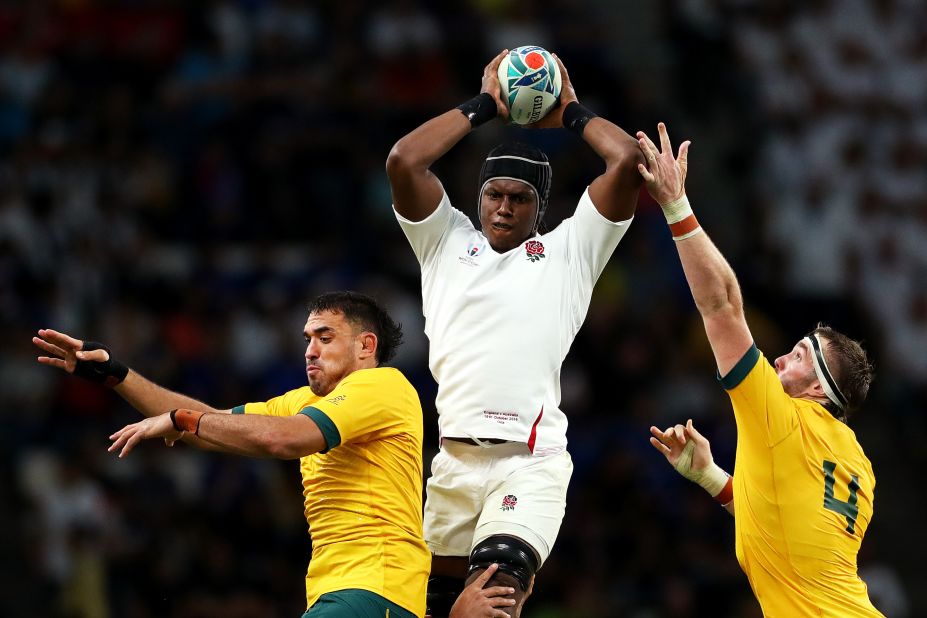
column 475, row 248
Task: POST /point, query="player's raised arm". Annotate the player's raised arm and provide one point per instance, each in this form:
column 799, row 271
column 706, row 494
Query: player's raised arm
column 94, row 362
column 416, row 190
column 615, row 192
column 712, row 281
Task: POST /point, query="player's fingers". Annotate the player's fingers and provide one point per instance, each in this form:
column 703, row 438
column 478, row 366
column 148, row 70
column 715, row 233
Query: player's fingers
column 125, row 430
column 669, row 436
column 99, row 356
column 52, row 362
column 483, row 577
column 665, row 146
column 693, row 432
column 65, row 341
column 564, row 75
column 683, row 154
column 645, row 173
column 119, row 438
column 497, row 594
column 647, row 148
column 501, row 108
column 50, row 348
column 682, row 159
column 650, row 144
column 680, row 432
column 495, row 62
column 134, row 439
column 665, row 450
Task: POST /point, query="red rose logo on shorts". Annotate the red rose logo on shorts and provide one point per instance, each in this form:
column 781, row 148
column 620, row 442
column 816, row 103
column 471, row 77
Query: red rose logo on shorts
column 534, row 249
column 509, row 502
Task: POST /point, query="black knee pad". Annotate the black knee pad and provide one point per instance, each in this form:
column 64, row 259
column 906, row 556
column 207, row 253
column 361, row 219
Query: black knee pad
column 514, row 557
column 442, row 592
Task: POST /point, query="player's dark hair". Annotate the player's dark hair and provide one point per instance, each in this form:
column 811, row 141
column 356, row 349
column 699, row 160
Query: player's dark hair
column 366, row 314
column 850, row 367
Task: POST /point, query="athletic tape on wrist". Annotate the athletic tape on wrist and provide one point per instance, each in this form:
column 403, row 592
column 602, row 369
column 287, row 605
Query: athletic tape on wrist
column 712, row 478
column 187, row 420
column 576, row 117
column 109, row 372
column 480, row 109
column 681, row 219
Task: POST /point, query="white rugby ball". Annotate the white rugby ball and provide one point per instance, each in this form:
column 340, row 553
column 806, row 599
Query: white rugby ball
column 530, row 79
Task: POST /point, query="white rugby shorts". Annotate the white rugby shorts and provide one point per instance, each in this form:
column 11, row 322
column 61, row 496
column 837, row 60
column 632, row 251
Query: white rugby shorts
column 475, row 492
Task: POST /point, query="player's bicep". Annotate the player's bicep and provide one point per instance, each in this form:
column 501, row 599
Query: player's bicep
column 324, row 428
column 307, row 435
column 416, row 193
column 591, row 239
column 729, row 337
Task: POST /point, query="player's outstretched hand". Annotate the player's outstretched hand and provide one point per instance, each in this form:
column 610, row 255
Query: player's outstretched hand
column 554, row 118
column 63, row 351
column 478, row 602
column 492, row 86
column 128, row 437
column 688, row 451
column 85, row 359
column 665, row 176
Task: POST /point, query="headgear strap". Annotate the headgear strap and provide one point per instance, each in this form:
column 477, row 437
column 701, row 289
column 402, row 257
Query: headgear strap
column 828, row 383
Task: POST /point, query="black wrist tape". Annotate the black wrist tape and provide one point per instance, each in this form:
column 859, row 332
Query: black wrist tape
column 109, row 372
column 174, row 420
column 576, row 117
column 480, row 109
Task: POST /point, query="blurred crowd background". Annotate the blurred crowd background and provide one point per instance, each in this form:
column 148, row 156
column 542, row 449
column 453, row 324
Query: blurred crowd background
column 178, row 179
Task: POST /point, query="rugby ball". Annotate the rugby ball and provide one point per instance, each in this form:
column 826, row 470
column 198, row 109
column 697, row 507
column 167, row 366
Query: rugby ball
column 530, row 79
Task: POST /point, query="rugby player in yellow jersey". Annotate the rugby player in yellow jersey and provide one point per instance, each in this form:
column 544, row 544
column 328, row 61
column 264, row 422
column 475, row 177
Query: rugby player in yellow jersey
column 357, row 429
column 802, row 488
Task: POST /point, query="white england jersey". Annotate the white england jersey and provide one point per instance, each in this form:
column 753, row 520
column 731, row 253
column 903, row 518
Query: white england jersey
column 501, row 324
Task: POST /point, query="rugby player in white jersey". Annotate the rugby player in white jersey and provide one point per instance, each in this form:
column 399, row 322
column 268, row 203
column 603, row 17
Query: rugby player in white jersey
column 502, row 306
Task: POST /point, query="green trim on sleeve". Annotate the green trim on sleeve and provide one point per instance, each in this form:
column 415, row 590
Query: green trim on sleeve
column 329, row 430
column 239, row 409
column 743, row 367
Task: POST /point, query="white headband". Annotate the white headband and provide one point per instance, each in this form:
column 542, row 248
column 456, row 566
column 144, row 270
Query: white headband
column 823, row 373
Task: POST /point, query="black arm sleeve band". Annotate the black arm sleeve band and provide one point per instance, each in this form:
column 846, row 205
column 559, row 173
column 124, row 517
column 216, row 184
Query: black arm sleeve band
column 480, row 109
column 110, row 372
column 576, row 117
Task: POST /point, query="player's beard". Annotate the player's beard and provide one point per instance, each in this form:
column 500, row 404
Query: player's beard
column 794, row 387
column 319, row 385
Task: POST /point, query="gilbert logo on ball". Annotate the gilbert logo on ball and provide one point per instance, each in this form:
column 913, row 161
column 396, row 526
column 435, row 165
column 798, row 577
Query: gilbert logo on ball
column 531, row 81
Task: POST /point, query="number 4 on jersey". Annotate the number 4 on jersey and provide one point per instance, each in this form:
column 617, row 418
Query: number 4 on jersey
column 848, row 509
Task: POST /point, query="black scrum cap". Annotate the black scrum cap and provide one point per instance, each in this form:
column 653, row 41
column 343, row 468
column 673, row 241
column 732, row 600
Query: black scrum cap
column 516, row 161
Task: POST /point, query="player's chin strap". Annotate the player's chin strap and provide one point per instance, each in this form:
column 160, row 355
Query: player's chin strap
column 823, row 373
